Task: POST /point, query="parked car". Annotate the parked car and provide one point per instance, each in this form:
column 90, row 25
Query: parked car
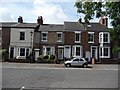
column 76, row 62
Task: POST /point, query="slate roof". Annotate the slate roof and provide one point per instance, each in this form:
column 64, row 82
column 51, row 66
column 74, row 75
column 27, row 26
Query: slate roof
column 51, row 27
column 25, row 25
column 73, row 26
column 18, row 25
column 95, row 27
column 7, row 24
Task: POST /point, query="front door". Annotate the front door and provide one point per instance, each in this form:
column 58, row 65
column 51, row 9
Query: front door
column 11, row 52
column 36, row 55
column 67, row 52
column 94, row 52
column 60, row 53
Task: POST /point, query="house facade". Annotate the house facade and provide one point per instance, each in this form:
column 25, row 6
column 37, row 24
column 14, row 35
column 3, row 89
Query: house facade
column 21, row 39
column 76, row 39
column 71, row 39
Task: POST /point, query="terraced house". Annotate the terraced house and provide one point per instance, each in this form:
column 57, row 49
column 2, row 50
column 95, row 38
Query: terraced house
column 71, row 39
column 76, row 39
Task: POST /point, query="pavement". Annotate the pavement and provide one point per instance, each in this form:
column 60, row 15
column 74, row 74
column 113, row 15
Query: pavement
column 58, row 66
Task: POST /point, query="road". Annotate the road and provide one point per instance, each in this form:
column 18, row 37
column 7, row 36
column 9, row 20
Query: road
column 58, row 77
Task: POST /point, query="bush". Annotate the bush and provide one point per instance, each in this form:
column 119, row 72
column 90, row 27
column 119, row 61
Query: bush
column 52, row 57
column 46, row 57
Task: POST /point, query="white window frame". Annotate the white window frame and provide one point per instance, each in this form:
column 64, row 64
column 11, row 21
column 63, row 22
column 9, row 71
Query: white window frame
column 61, row 38
column 78, row 32
column 74, row 51
column 20, row 34
column 101, row 37
column 93, row 37
column 44, row 37
column 52, row 50
column 102, row 52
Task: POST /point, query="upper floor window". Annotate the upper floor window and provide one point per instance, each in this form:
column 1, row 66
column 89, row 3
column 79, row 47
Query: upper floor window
column 59, row 36
column 44, row 36
column 77, row 37
column 104, row 37
column 22, row 35
column 90, row 37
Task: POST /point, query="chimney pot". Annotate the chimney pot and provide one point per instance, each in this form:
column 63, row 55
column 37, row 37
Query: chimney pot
column 20, row 19
column 40, row 20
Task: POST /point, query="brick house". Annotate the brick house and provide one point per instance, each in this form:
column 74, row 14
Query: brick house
column 5, row 29
column 76, row 39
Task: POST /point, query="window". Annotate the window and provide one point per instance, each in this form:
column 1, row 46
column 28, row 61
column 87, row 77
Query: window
column 22, row 51
column 104, row 37
column 104, row 52
column 47, row 50
column 81, row 60
column 76, row 60
column 22, row 35
column 90, row 37
column 44, row 36
column 76, row 51
column 27, row 52
column 59, row 37
column 77, row 37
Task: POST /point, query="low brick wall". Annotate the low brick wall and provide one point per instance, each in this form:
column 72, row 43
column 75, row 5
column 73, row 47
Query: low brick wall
column 108, row 61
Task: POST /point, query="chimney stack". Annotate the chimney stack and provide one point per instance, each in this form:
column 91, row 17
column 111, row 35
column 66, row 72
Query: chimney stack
column 40, row 20
column 104, row 21
column 80, row 20
column 20, row 19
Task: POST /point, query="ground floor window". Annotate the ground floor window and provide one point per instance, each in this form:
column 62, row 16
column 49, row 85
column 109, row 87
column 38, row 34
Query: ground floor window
column 77, row 52
column 104, row 52
column 48, row 50
column 22, row 51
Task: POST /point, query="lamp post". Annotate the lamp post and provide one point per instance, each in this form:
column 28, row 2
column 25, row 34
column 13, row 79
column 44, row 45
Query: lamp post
column 31, row 46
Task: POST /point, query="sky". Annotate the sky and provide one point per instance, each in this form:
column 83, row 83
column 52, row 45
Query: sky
column 52, row 11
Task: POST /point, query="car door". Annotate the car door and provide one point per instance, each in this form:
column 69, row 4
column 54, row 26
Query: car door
column 75, row 62
column 81, row 62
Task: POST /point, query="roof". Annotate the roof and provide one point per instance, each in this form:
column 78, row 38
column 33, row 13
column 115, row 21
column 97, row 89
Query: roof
column 7, row 24
column 95, row 27
column 51, row 27
column 73, row 26
column 25, row 25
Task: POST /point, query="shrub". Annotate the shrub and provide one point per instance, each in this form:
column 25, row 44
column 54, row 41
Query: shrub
column 46, row 57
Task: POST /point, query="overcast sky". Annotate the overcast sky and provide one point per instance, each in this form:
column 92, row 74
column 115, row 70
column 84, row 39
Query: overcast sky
column 52, row 11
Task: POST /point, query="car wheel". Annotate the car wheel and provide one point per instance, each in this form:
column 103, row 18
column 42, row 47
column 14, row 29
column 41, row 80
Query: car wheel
column 68, row 65
column 84, row 65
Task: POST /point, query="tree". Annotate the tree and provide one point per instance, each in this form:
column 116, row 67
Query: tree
column 98, row 9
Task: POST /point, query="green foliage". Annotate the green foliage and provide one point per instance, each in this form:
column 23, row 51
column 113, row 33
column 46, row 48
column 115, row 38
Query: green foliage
column 46, row 58
column 98, row 9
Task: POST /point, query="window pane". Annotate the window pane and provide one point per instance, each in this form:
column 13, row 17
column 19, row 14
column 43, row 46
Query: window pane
column 44, row 36
column 27, row 52
column 22, row 35
column 105, row 51
column 48, row 51
column 77, row 37
column 22, row 51
column 91, row 37
column 77, row 51
column 105, row 37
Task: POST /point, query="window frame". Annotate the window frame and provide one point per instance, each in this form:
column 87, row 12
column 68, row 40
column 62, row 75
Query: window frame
column 22, row 38
column 42, row 38
column 79, row 33
column 102, row 52
column 101, row 37
column 74, row 53
column 60, row 39
column 91, row 33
